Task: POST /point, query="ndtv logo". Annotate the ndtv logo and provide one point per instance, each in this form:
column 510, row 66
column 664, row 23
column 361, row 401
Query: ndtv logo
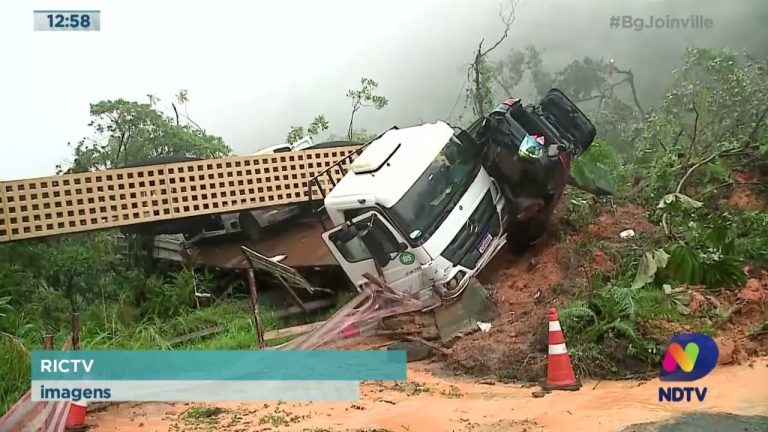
column 689, row 357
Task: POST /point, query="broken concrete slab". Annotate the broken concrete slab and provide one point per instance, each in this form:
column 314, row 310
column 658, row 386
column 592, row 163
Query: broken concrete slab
column 460, row 317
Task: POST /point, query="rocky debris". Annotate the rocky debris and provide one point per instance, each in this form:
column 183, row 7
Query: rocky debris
column 726, row 348
column 601, row 261
column 698, row 301
column 756, row 290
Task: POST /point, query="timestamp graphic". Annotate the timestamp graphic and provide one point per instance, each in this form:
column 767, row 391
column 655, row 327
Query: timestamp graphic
column 67, row 20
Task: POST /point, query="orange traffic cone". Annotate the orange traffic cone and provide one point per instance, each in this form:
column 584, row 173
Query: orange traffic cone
column 76, row 416
column 560, row 374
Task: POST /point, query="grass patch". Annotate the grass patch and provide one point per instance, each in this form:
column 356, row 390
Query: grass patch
column 452, row 393
column 152, row 333
column 15, row 371
column 280, row 417
column 200, row 412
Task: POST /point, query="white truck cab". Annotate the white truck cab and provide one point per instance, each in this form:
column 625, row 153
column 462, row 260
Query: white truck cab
column 418, row 209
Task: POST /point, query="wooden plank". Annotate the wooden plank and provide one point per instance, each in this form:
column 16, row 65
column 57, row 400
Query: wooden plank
column 310, row 305
column 292, row 331
column 198, row 334
column 270, row 335
column 89, row 201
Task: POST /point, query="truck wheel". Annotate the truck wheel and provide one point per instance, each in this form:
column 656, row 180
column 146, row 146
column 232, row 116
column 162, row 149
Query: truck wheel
column 523, row 234
column 250, row 226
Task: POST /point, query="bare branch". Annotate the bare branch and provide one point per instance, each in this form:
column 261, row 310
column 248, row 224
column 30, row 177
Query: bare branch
column 474, row 69
column 631, row 79
column 589, row 98
column 692, row 146
column 507, row 20
column 176, row 111
column 753, row 134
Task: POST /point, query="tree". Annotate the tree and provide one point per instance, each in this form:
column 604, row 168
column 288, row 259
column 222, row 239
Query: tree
column 319, row 124
column 482, row 73
column 364, row 97
column 127, row 131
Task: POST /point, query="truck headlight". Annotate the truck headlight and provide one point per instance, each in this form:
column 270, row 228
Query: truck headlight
column 454, row 282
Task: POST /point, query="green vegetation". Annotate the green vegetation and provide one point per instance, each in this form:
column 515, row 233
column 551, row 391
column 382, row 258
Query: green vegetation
column 124, row 300
column 363, row 97
column 679, row 158
column 710, row 127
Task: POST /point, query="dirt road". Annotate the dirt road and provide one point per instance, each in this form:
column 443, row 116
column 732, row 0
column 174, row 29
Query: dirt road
column 430, row 403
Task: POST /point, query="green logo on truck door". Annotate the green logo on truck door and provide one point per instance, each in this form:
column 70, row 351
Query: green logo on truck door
column 407, row 258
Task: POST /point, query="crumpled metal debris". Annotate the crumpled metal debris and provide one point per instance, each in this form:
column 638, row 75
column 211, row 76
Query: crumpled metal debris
column 360, row 317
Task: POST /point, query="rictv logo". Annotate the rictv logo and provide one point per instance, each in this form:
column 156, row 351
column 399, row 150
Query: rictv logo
column 689, row 357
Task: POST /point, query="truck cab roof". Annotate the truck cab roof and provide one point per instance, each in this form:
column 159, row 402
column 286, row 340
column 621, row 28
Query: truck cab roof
column 390, row 165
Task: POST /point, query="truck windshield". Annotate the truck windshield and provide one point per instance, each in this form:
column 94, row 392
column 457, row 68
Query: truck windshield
column 432, row 197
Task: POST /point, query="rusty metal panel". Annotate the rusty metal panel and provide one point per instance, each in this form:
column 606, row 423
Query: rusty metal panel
column 106, row 199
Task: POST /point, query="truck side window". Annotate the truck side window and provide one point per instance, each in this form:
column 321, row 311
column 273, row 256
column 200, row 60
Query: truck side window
column 354, row 250
column 384, row 237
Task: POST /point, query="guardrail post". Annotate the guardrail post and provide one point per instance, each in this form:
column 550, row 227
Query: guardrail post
column 255, row 306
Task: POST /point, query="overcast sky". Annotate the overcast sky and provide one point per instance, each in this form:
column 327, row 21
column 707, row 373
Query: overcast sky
column 253, row 68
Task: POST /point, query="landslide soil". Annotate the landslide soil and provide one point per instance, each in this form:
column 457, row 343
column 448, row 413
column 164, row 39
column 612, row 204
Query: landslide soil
column 525, row 287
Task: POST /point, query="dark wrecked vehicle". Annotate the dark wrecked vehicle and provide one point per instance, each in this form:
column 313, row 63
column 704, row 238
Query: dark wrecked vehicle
column 528, row 150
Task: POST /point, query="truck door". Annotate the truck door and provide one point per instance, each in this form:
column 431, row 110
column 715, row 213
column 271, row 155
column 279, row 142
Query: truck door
column 569, row 120
column 369, row 244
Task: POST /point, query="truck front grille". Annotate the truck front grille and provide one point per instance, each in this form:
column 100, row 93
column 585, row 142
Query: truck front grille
column 463, row 249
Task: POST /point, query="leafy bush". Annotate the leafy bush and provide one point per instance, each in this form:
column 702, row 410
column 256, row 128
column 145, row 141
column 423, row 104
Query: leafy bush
column 608, row 318
column 602, row 166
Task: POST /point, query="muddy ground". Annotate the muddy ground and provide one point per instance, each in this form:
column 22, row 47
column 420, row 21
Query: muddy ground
column 482, row 397
column 428, row 403
column 525, row 287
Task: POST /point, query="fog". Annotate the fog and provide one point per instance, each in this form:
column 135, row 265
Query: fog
column 253, row 69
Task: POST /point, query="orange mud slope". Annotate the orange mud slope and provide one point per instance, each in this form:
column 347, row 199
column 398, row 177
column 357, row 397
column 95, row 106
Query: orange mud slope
column 427, row 403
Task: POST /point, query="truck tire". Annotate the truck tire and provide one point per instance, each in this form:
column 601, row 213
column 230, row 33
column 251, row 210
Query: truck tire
column 521, row 235
column 250, row 226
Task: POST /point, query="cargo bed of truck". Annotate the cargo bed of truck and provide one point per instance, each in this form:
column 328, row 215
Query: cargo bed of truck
column 299, row 240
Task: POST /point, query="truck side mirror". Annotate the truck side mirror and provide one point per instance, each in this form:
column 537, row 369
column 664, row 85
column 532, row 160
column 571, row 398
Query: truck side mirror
column 376, row 246
column 380, row 241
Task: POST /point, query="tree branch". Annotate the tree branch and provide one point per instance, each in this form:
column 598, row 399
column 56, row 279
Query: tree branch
column 589, row 98
column 507, row 90
column 474, row 68
column 693, row 136
column 753, row 134
column 631, row 79
column 176, row 111
column 508, row 20
column 355, row 107
column 730, row 183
